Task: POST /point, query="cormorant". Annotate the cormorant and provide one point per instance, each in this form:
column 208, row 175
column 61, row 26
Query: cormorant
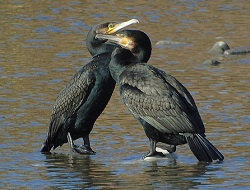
column 221, row 47
column 159, row 101
column 80, row 103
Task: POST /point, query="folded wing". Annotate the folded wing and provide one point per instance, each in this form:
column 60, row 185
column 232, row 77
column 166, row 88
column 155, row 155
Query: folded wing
column 159, row 99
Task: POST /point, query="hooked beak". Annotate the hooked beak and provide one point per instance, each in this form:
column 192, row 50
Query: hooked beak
column 115, row 39
column 121, row 40
column 122, row 25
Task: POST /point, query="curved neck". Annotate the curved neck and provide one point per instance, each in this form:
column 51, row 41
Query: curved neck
column 97, row 46
column 143, row 54
column 120, row 60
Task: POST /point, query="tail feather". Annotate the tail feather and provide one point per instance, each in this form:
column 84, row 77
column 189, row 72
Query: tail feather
column 213, row 152
column 197, row 149
column 203, row 149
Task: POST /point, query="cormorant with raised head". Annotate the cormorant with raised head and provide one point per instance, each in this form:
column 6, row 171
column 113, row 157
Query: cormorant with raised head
column 160, row 102
column 80, row 103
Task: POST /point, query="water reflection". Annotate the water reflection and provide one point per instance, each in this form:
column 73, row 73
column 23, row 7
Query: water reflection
column 72, row 171
column 42, row 46
column 177, row 176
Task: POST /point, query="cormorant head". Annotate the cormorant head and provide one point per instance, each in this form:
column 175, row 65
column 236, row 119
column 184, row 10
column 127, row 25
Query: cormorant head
column 113, row 27
column 94, row 45
column 134, row 40
column 219, row 47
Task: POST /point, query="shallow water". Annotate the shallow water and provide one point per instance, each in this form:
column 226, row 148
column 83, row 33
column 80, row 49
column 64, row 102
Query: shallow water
column 42, row 44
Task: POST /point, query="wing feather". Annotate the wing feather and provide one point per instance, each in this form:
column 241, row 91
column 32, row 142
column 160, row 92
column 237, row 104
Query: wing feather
column 159, row 99
column 70, row 99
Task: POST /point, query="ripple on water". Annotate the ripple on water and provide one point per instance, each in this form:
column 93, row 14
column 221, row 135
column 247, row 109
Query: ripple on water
column 43, row 42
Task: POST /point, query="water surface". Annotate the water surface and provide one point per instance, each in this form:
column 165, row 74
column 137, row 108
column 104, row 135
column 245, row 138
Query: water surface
column 42, row 45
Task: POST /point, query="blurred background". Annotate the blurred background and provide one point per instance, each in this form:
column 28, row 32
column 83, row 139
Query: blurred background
column 42, row 45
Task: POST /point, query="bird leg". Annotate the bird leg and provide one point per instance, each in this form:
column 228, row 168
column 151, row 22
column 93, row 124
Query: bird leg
column 86, row 146
column 70, row 141
column 82, row 149
column 152, row 150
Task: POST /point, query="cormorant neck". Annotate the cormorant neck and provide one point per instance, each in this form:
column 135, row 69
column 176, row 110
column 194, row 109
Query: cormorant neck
column 120, row 60
column 143, row 54
column 97, row 46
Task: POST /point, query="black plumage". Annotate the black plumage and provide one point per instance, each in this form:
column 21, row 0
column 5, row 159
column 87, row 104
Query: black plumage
column 159, row 101
column 80, row 103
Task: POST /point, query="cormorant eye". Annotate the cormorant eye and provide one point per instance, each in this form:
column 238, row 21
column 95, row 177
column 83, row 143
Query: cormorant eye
column 121, row 35
column 111, row 25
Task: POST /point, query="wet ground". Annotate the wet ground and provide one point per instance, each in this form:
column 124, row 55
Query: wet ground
column 42, row 45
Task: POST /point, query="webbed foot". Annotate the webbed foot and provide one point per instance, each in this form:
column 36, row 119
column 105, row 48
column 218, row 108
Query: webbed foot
column 154, row 154
column 83, row 149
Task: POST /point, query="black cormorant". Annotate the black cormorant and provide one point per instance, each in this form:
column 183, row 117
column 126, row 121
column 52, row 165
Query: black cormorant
column 221, row 47
column 80, row 103
column 160, row 102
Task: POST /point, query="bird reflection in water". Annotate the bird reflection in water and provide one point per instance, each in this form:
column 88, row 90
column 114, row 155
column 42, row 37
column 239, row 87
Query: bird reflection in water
column 73, row 171
column 179, row 176
column 77, row 171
